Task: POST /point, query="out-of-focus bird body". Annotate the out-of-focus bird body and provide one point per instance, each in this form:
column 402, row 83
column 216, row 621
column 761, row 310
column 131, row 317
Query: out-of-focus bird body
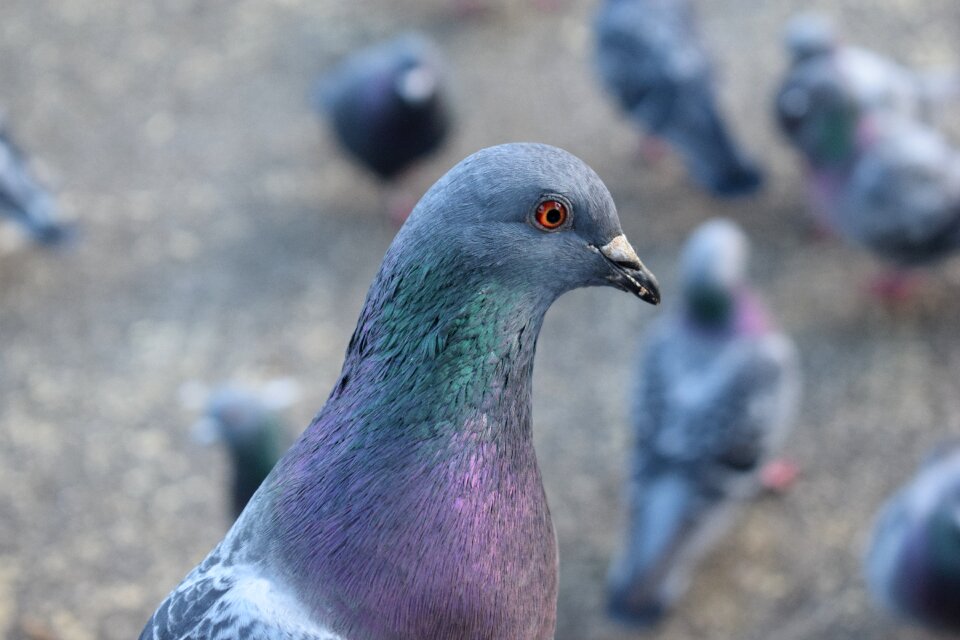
column 718, row 386
column 902, row 199
column 879, row 176
column 387, row 104
column 872, row 81
column 913, row 562
column 412, row 507
column 651, row 59
column 22, row 198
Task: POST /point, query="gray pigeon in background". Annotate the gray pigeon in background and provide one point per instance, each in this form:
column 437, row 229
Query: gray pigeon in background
column 878, row 176
column 872, row 81
column 913, row 561
column 249, row 424
column 387, row 104
column 651, row 59
column 882, row 181
column 715, row 391
column 412, row 507
column 23, row 199
column 902, row 194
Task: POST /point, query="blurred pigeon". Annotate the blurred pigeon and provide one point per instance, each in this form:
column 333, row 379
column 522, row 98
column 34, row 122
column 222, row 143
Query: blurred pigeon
column 871, row 80
column 22, row 198
column 650, row 57
column 412, row 507
column 716, row 389
column 881, row 179
column 249, row 424
column 902, row 196
column 387, row 104
column 913, row 561
column 899, row 196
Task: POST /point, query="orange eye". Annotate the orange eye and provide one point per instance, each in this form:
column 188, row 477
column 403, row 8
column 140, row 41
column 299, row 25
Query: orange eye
column 551, row 214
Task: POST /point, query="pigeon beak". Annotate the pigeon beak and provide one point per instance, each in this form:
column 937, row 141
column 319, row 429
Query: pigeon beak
column 628, row 273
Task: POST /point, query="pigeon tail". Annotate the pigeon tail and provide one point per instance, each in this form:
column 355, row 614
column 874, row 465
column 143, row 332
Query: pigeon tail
column 707, row 148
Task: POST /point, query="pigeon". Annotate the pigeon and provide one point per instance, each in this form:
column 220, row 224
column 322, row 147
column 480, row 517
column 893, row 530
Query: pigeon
column 912, row 564
column 887, row 184
column 873, row 81
column 901, row 200
column 387, row 104
column 714, row 396
column 412, row 506
column 249, row 424
column 881, row 179
column 23, row 199
column 650, row 58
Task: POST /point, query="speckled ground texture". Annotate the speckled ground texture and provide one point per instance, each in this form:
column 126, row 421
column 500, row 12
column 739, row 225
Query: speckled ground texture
column 224, row 238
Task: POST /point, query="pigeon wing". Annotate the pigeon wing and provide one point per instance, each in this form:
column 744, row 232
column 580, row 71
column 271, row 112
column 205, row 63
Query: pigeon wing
column 226, row 602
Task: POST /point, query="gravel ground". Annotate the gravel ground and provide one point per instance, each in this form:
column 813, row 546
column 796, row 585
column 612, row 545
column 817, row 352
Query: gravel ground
column 225, row 238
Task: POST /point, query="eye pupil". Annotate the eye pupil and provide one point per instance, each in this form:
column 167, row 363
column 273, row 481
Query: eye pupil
column 551, row 214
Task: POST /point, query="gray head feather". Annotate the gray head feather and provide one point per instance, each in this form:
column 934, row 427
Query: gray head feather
column 715, row 255
column 808, row 35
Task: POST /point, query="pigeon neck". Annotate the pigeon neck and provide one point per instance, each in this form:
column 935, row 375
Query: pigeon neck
column 413, row 506
column 929, row 575
column 420, row 337
column 735, row 312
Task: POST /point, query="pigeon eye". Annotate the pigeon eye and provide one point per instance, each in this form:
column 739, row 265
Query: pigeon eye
column 550, row 215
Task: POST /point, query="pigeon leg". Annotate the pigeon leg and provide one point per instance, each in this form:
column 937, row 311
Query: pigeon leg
column 778, row 475
column 651, row 150
column 894, row 287
column 814, row 229
column 398, row 203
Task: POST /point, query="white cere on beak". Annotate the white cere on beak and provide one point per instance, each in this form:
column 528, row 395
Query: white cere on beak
column 619, row 250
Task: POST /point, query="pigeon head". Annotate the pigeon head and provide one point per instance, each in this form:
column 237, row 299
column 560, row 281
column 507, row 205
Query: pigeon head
column 417, row 84
column 247, row 423
column 818, row 114
column 529, row 217
column 713, row 269
column 415, row 71
column 809, row 35
column 233, row 416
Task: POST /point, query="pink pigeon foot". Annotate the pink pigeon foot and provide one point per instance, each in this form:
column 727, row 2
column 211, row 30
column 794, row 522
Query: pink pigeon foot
column 778, row 475
column 470, row 8
column 820, row 231
column 399, row 207
column 651, row 150
column 894, row 287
